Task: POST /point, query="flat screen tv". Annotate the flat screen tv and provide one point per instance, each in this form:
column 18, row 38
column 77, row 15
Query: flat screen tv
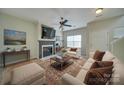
column 48, row 32
column 12, row 37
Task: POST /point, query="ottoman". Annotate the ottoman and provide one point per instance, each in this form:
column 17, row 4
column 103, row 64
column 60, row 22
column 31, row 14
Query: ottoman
column 28, row 74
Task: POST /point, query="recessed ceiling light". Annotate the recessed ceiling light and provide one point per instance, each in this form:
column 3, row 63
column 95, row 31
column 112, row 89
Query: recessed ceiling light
column 99, row 11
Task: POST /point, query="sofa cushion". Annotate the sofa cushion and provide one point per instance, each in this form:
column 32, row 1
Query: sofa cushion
column 98, row 55
column 108, row 56
column 81, row 75
column 71, row 52
column 27, row 74
column 98, row 76
column 90, row 60
column 70, row 80
column 88, row 64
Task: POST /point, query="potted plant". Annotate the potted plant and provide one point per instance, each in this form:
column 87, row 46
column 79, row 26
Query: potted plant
column 24, row 48
column 8, row 49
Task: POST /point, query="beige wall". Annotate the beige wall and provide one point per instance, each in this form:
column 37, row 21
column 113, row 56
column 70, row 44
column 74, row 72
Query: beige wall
column 101, row 35
column 84, row 38
column 98, row 33
column 99, row 30
column 10, row 22
column 118, row 49
column 95, row 35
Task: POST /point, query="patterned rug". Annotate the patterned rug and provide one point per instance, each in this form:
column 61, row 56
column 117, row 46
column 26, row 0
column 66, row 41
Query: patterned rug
column 53, row 76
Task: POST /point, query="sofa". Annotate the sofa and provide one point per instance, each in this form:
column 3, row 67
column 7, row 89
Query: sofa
column 73, row 52
column 117, row 77
column 24, row 75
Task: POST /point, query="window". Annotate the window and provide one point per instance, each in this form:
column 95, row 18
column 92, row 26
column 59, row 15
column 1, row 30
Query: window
column 74, row 41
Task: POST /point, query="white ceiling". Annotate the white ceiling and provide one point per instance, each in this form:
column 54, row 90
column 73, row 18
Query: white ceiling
column 78, row 17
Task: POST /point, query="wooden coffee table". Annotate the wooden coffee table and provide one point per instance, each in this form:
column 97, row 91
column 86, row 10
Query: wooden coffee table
column 60, row 62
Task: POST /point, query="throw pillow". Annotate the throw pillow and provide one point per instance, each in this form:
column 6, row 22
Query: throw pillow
column 73, row 49
column 98, row 55
column 98, row 76
column 105, row 63
column 98, row 64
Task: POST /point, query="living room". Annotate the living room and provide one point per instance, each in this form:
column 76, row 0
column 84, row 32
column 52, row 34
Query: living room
column 58, row 43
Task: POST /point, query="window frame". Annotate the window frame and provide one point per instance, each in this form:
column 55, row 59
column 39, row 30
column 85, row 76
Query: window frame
column 73, row 41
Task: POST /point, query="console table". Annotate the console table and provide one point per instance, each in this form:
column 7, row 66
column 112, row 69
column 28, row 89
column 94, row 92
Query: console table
column 12, row 53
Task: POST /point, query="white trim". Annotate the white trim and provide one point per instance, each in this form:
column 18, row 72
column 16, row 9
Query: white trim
column 47, row 46
column 47, row 40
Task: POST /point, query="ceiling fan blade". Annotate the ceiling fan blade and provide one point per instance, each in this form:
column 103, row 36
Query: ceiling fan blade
column 68, row 25
column 65, row 21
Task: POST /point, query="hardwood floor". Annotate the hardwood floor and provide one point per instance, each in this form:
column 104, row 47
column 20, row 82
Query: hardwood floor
column 20, row 63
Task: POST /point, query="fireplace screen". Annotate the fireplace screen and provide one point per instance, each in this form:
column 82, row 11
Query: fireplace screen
column 47, row 51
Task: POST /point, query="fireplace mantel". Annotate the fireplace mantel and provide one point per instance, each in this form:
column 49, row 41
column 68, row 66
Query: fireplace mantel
column 47, row 40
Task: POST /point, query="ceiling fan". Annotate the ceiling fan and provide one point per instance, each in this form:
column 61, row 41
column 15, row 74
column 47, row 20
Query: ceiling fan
column 63, row 23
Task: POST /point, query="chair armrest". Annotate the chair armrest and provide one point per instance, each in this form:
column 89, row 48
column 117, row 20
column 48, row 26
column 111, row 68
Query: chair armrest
column 70, row 80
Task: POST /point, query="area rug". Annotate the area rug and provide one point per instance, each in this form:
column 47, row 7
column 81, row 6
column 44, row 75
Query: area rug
column 53, row 76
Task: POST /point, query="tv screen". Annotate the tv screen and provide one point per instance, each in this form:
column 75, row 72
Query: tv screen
column 12, row 37
column 48, row 33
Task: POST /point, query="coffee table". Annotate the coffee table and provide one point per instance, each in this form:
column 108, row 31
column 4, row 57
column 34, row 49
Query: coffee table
column 60, row 62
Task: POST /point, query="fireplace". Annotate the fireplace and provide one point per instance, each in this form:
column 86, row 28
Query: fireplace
column 47, row 50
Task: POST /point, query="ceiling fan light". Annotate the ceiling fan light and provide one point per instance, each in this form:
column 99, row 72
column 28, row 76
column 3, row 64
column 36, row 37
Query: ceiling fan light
column 99, row 10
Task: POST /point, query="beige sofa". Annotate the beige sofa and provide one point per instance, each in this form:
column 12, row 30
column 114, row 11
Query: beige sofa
column 72, row 53
column 24, row 75
column 117, row 76
column 78, row 80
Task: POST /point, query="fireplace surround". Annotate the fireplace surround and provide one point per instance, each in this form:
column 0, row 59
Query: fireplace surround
column 46, row 48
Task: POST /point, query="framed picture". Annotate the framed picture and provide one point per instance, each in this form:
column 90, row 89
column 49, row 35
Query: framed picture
column 12, row 37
